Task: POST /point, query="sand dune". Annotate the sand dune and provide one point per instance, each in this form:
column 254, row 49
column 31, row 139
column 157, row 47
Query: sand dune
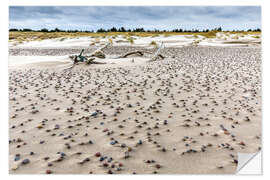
column 222, row 39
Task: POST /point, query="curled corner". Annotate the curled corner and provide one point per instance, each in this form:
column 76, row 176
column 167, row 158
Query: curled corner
column 249, row 163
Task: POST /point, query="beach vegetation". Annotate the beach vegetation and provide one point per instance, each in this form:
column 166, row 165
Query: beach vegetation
column 42, row 34
column 130, row 39
column 110, row 41
column 153, row 43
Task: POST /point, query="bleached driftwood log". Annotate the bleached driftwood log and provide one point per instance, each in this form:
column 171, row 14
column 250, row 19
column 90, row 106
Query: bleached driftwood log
column 91, row 61
column 140, row 53
column 90, row 58
column 157, row 54
column 99, row 52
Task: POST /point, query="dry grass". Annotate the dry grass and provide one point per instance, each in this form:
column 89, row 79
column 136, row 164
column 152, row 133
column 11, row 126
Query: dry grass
column 38, row 36
column 235, row 37
column 130, row 39
column 167, row 35
column 110, row 41
column 256, row 37
column 243, row 32
column 210, row 34
column 156, row 35
column 189, row 37
column 153, row 43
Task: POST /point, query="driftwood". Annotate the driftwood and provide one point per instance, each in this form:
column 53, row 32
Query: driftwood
column 157, row 54
column 90, row 59
column 99, row 52
column 161, row 56
column 95, row 62
column 140, row 53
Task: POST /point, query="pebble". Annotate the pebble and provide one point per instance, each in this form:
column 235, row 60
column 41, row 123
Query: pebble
column 94, row 113
column 17, row 157
column 50, row 164
column 113, row 142
column 110, row 171
column 25, row 161
column 123, row 145
column 48, row 171
column 101, row 159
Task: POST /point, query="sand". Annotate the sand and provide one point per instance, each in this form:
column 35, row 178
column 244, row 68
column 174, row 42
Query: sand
column 187, row 114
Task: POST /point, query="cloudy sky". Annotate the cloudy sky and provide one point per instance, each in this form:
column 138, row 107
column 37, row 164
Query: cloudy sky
column 148, row 17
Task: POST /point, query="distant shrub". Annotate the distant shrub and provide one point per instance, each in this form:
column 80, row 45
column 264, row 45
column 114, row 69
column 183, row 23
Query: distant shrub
column 13, row 30
column 153, row 43
column 131, row 40
column 27, row 30
column 44, row 30
column 256, row 37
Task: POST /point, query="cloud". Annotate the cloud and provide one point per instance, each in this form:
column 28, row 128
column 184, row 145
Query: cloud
column 149, row 17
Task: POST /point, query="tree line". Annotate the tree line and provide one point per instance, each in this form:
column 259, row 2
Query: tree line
column 122, row 29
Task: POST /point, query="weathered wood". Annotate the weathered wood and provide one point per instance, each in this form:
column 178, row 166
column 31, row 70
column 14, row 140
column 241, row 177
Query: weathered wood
column 89, row 60
column 140, row 53
column 157, row 54
column 95, row 62
column 161, row 56
column 98, row 53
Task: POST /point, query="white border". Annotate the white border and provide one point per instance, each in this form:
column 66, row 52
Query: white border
column 4, row 88
column 253, row 165
column 136, row 2
column 4, row 79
